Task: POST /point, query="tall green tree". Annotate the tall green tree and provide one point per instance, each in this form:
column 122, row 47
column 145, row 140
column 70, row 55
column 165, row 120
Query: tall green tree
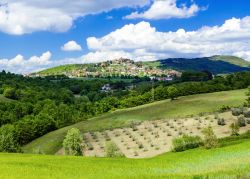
column 172, row 92
column 8, row 139
column 72, row 142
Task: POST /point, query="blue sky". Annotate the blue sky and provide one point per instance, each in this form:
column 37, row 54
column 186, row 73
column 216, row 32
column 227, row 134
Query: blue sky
column 31, row 41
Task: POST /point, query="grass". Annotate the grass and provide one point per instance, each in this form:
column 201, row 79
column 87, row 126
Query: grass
column 227, row 162
column 188, row 105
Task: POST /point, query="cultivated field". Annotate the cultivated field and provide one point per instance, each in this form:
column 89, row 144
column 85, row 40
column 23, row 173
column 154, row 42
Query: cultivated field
column 231, row 161
column 151, row 138
column 184, row 106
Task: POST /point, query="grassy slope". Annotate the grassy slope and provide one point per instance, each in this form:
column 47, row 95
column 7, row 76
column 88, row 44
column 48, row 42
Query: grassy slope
column 195, row 104
column 233, row 60
column 59, row 70
column 227, row 162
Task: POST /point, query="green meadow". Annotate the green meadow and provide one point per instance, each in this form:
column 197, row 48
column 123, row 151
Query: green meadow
column 230, row 161
column 188, row 105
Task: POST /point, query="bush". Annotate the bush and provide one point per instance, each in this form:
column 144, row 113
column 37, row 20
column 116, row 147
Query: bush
column 246, row 113
column 224, row 108
column 186, row 142
column 248, row 121
column 210, row 139
column 241, row 121
column 112, row 150
column 235, row 128
column 237, row 111
column 72, row 142
column 221, row 121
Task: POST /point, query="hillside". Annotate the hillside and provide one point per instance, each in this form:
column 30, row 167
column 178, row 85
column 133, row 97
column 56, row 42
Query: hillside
column 231, row 161
column 216, row 65
column 118, row 67
column 166, row 67
column 189, row 105
column 231, row 59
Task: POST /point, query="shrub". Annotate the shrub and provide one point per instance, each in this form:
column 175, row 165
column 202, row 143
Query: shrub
column 133, row 125
column 235, row 129
column 248, row 121
column 186, row 142
column 89, row 146
column 237, row 111
column 210, row 139
column 241, row 121
column 246, row 113
column 112, row 150
column 221, row 121
column 224, row 108
column 141, row 146
column 72, row 142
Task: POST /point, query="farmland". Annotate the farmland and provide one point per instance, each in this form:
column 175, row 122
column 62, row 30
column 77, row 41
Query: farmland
column 189, row 105
column 151, row 138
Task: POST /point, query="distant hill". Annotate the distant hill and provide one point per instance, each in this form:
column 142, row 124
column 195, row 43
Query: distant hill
column 126, row 67
column 215, row 64
column 114, row 68
column 231, row 59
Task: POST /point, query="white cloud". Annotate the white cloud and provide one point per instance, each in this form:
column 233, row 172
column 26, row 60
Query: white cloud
column 71, row 46
column 21, row 17
column 20, row 65
column 143, row 42
column 243, row 54
column 166, row 9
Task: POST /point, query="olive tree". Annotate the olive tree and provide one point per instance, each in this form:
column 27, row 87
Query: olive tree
column 235, row 128
column 210, row 139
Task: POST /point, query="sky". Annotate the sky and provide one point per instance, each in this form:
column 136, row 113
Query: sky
column 35, row 35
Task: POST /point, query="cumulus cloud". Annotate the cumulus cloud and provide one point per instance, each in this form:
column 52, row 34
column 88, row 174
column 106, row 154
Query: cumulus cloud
column 19, row 64
column 243, row 54
column 71, row 46
column 143, row 42
column 166, row 9
column 21, row 17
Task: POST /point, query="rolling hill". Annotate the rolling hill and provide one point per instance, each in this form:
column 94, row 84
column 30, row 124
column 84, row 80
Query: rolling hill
column 231, row 59
column 188, row 105
column 215, row 64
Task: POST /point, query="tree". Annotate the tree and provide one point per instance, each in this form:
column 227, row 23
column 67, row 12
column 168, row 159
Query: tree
column 172, row 92
column 10, row 93
column 210, row 139
column 235, row 128
column 72, row 142
column 8, row 139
